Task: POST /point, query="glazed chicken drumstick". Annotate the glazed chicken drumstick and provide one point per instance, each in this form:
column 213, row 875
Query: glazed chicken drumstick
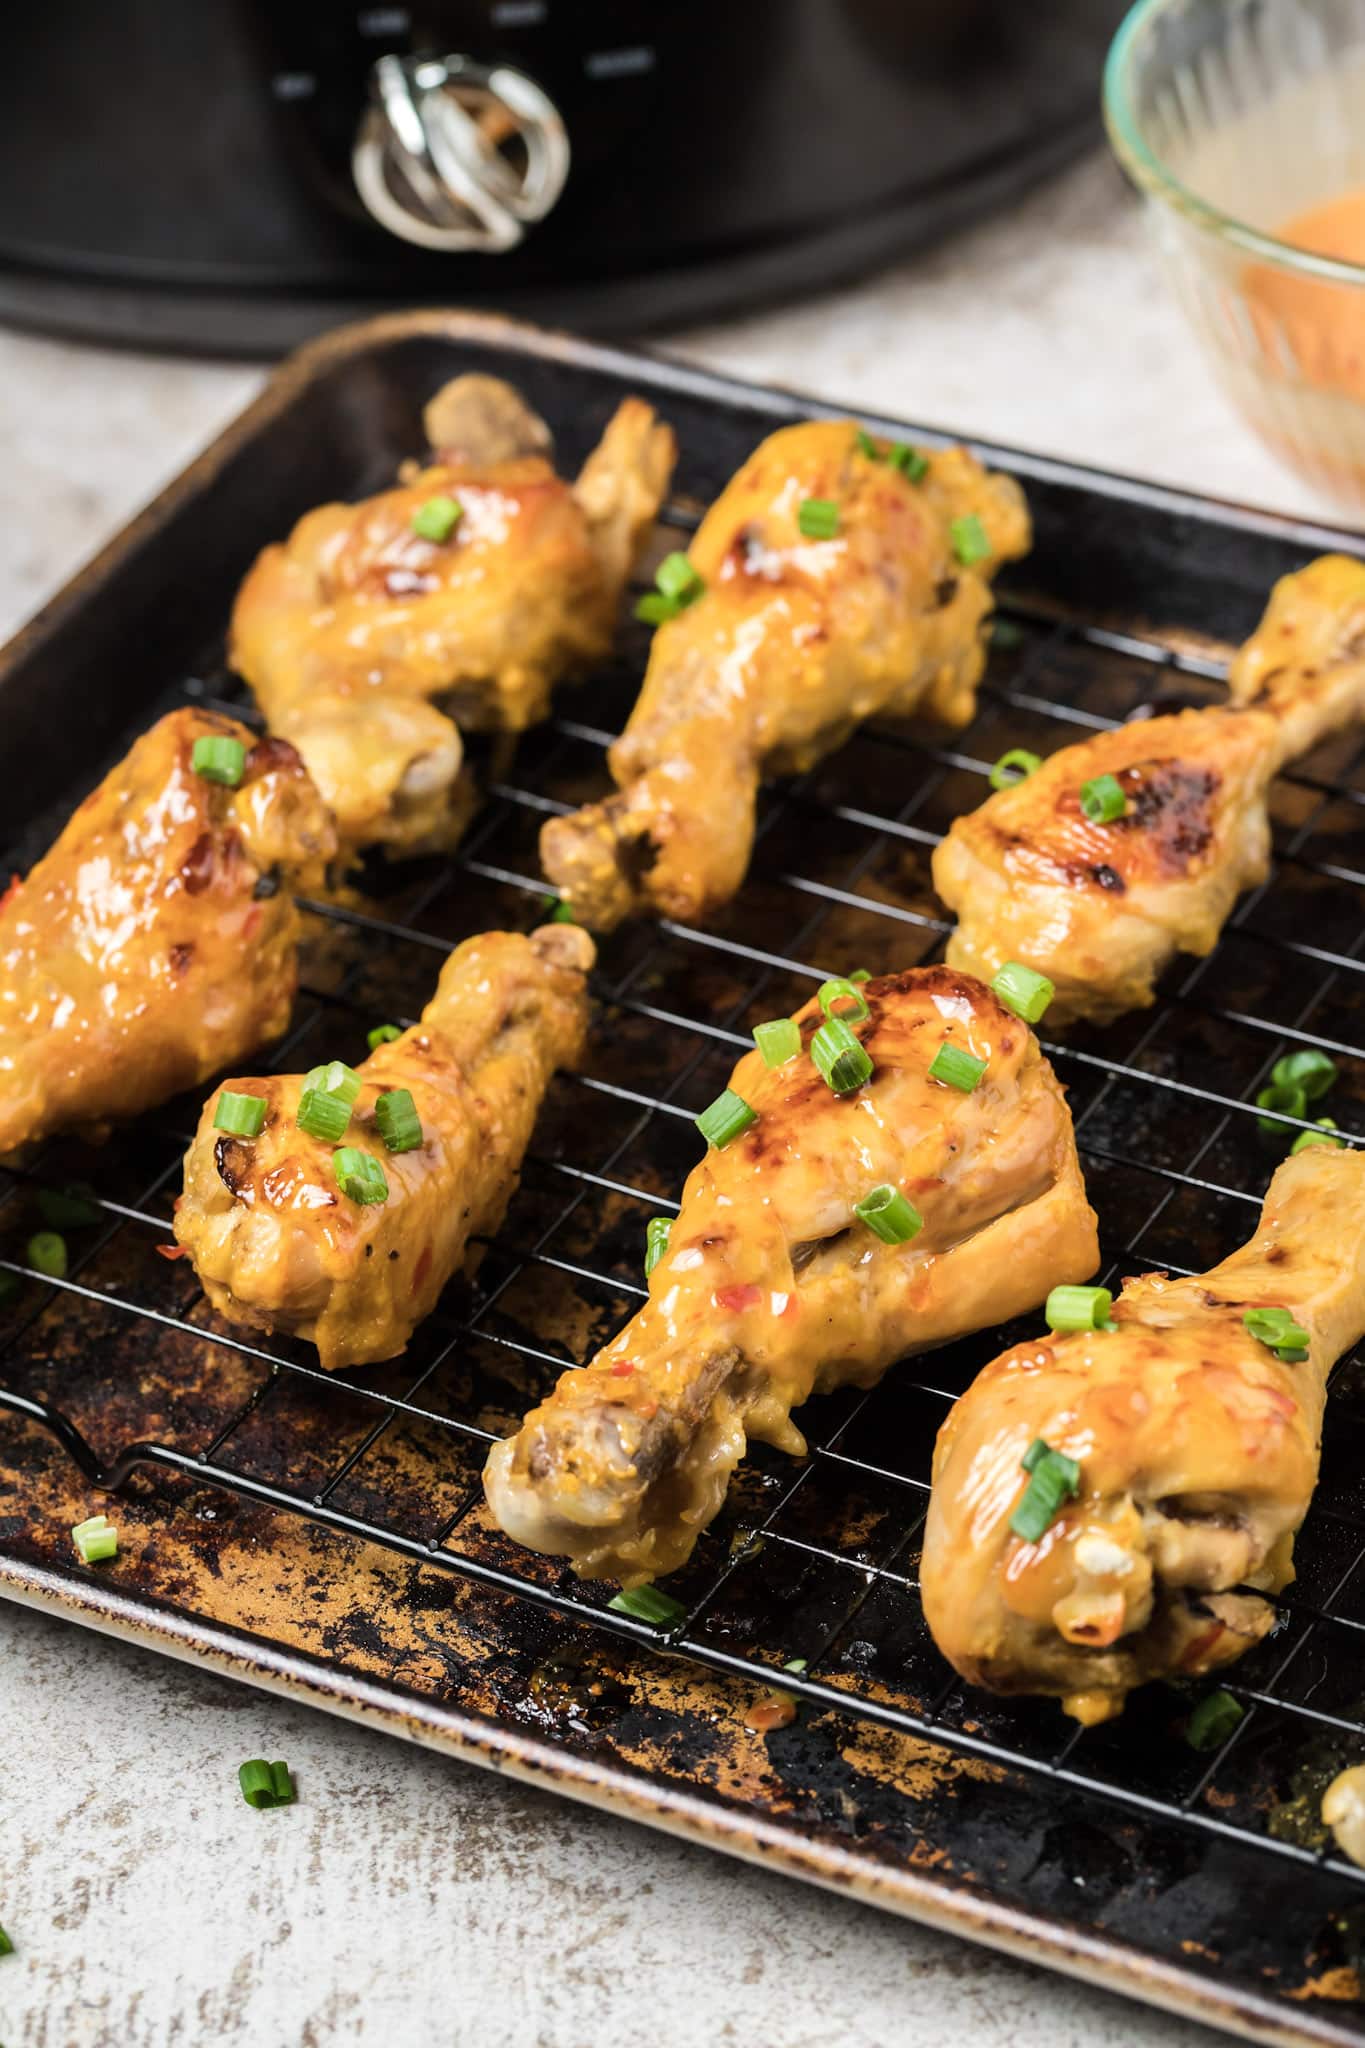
column 1100, row 904
column 156, row 941
column 1197, row 1445
column 800, row 624
column 455, row 600
column 347, row 1239
column 772, row 1287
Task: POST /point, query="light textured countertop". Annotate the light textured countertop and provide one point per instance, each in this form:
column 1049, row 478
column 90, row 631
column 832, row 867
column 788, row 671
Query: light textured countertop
column 406, row 1899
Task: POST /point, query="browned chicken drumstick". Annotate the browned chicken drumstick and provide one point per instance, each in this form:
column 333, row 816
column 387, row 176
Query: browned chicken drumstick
column 1188, row 1435
column 156, row 942
column 775, row 1284
column 1133, row 846
column 831, row 581
column 343, row 1224
column 455, row 600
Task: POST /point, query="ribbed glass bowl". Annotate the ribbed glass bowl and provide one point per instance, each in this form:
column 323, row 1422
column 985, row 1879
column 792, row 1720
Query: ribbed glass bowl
column 1234, row 117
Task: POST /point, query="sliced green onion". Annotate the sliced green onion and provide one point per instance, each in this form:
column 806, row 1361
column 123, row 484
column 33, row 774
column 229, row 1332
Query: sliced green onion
column 241, row 1115
column 95, row 1540
column 971, row 542
column 563, row 913
column 818, row 518
column 437, row 519
column 399, row 1124
column 323, row 1116
column 282, row 1784
column 359, row 1176
column 843, row 1061
column 725, row 1118
column 861, row 974
column 1213, row 1720
column 219, row 758
column 6, row 1945
column 1053, row 1478
column 46, row 1253
column 1321, row 1136
column 1023, row 990
column 1015, row 766
column 956, row 1068
column 1291, row 1100
column 1310, row 1070
column 843, row 993
column 257, row 1781
column 657, row 1232
column 1278, row 1331
column 647, row 1603
column 1103, row 800
column 676, row 578
column 911, row 464
column 383, row 1034
column 888, row 1215
column 67, row 1208
column 655, row 609
column 865, row 445
column 336, row 1078
column 797, row 1664
column 778, row 1041
column 1078, row 1308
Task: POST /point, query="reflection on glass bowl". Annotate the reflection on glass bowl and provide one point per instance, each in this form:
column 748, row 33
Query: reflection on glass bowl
column 1243, row 123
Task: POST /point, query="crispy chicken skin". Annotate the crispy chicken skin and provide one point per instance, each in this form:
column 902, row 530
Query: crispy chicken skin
column 155, row 943
column 793, row 642
column 1198, row 1451
column 771, row 1289
column 364, row 642
column 1101, row 908
column 278, row 1246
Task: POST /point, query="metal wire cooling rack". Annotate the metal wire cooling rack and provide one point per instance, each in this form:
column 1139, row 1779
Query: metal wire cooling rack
column 816, row 1559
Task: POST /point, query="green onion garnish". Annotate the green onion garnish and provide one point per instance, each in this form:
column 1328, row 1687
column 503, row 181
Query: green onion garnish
column 67, row 1208
column 1053, row 1478
column 1277, row 1330
column 1213, row 1720
column 359, row 1176
column 95, row 1540
column 266, row 1784
column 6, row 1945
column 971, row 542
column 241, row 1115
column 1015, row 766
column 1321, row 1136
column 1078, row 1308
column 844, row 1062
column 852, row 1003
column 336, row 1078
column 725, row 1118
column 861, row 974
column 865, row 445
column 1023, row 990
column 323, row 1116
column 1103, row 800
column 1310, row 1070
column 888, row 1215
column 778, row 1041
column 1291, row 1100
column 655, row 609
column 437, row 519
column 797, row 1664
column 383, row 1034
column 563, row 913
column 956, row 1068
column 656, row 1241
column 219, row 758
column 647, row 1603
column 818, row 518
column 911, row 464
column 399, row 1124
column 46, row 1253
column 677, row 585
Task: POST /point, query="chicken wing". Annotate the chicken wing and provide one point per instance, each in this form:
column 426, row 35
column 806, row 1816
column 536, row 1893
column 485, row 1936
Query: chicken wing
column 461, row 595
column 772, row 1288
column 791, row 643
column 156, row 941
column 275, row 1241
column 1198, row 1451
column 1100, row 907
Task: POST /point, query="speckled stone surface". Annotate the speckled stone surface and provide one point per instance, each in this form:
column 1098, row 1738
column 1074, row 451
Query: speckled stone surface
column 406, row 1899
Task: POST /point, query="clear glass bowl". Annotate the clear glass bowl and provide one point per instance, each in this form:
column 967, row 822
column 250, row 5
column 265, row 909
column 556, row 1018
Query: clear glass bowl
column 1235, row 117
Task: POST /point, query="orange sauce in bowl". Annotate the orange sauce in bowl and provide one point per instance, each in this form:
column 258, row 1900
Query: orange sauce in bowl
column 1322, row 323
